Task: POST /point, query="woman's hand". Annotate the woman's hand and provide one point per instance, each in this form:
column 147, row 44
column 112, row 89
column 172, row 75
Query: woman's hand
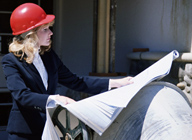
column 64, row 100
column 116, row 83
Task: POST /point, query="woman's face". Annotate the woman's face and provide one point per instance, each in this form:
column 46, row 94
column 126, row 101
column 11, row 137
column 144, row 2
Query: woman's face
column 44, row 34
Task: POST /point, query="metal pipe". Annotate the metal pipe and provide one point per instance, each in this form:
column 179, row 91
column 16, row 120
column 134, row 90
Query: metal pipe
column 103, row 36
column 183, row 57
column 112, row 37
column 94, row 43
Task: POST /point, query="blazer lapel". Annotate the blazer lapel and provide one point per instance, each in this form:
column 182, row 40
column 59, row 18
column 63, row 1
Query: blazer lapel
column 35, row 74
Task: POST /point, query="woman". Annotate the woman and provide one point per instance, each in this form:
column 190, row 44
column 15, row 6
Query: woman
column 33, row 70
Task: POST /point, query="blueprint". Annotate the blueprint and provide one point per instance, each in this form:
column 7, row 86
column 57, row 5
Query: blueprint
column 99, row 111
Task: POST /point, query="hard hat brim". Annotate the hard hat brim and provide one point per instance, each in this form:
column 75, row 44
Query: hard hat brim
column 48, row 19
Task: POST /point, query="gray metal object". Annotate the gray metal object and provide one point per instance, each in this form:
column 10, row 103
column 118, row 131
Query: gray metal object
column 80, row 132
column 159, row 111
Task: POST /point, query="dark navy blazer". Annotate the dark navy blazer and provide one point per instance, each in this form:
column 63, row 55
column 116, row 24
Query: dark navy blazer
column 29, row 94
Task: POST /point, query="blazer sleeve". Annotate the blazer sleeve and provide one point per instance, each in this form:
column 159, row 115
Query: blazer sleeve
column 85, row 84
column 16, row 84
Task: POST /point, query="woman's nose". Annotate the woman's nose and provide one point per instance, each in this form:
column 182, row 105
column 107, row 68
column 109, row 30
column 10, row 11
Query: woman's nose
column 50, row 32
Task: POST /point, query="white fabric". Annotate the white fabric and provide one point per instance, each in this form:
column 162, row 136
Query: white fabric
column 38, row 63
column 109, row 87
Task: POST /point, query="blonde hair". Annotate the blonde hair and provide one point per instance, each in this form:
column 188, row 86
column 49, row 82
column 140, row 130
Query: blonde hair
column 25, row 47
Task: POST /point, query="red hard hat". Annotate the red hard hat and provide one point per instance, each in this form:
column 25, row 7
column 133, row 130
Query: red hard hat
column 28, row 16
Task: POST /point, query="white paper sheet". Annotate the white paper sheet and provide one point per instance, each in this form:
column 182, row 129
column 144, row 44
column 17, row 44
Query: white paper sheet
column 99, row 111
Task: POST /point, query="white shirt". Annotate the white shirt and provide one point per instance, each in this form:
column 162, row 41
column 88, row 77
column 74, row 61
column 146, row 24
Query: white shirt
column 38, row 63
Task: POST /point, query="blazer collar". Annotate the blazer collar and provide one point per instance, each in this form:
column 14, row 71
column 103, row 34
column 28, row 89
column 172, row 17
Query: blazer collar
column 35, row 75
